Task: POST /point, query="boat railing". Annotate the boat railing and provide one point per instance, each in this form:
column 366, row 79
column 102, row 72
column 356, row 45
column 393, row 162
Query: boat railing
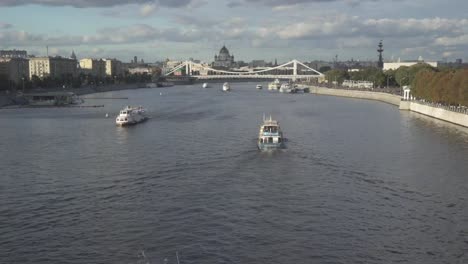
column 270, row 133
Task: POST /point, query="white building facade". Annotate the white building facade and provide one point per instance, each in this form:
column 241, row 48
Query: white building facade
column 51, row 67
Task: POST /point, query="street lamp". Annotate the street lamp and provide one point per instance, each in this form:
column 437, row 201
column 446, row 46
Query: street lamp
column 22, row 78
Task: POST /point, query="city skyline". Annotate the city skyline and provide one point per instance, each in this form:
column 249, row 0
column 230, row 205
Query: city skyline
column 251, row 29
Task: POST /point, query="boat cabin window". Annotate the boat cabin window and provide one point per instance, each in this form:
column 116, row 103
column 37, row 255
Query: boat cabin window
column 279, row 140
column 270, row 140
column 261, row 140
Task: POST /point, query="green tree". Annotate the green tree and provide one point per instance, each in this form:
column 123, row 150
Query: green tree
column 336, row 75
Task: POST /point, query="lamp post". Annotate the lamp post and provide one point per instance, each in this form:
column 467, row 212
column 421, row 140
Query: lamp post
column 22, row 78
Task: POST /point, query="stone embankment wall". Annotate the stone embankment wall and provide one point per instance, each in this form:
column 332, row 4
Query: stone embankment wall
column 384, row 97
column 439, row 113
column 435, row 112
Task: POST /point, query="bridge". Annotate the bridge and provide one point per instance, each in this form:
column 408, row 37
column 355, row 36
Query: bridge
column 292, row 70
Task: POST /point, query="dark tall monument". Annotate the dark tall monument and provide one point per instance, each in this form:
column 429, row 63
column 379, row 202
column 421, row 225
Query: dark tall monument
column 380, row 50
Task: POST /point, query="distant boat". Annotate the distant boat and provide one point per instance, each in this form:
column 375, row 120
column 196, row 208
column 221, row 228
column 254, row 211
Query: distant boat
column 275, row 85
column 259, row 86
column 226, row 87
column 205, row 85
column 270, row 135
column 288, row 88
column 131, row 116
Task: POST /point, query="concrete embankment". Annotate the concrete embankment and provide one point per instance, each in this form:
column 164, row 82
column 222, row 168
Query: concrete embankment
column 384, row 97
column 9, row 99
column 435, row 112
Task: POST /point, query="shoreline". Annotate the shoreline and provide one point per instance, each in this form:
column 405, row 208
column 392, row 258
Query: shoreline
column 369, row 95
column 9, row 101
column 451, row 117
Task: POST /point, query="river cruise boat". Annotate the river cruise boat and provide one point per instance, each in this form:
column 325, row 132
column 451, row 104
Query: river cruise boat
column 226, row 87
column 131, row 116
column 275, row 85
column 285, row 88
column 270, row 135
column 259, row 86
column 288, row 88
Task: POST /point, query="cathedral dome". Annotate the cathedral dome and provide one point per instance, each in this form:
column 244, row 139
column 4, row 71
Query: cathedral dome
column 223, row 59
column 224, row 51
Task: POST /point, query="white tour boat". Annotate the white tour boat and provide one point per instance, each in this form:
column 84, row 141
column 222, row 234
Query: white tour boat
column 131, row 116
column 259, row 86
column 205, row 85
column 270, row 135
column 275, row 85
column 226, row 87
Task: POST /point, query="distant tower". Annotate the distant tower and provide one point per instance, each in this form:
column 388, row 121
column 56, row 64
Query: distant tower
column 73, row 55
column 380, row 50
column 135, row 59
column 276, row 62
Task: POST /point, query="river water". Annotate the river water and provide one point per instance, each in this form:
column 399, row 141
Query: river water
column 358, row 182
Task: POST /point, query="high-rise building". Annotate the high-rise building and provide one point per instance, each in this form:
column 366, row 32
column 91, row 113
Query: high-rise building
column 51, row 66
column 135, row 59
column 15, row 69
column 13, row 54
column 95, row 67
column 113, row 67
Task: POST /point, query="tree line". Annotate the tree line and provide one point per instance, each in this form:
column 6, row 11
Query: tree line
column 447, row 86
column 74, row 81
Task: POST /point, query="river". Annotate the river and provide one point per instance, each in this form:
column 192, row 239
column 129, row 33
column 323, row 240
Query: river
column 358, row 182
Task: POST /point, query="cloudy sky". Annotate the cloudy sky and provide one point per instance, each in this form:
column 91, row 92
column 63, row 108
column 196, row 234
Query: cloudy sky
column 251, row 29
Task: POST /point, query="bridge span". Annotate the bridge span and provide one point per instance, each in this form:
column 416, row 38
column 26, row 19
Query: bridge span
column 292, row 70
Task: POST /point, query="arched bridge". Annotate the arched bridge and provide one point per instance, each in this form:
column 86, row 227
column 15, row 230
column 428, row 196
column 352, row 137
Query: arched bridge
column 291, row 70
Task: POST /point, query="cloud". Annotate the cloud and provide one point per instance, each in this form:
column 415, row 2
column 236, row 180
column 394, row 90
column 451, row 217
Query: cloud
column 279, row 3
column 137, row 33
column 148, row 9
column 94, row 3
column 452, row 41
column 234, row 4
column 353, row 26
column 4, row 25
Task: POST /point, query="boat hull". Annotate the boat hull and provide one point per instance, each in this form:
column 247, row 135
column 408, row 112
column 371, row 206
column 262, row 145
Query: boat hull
column 130, row 123
column 269, row 146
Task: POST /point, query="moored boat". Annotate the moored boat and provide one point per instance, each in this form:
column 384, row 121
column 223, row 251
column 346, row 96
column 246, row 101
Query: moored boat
column 270, row 135
column 226, row 87
column 131, row 116
column 275, row 85
column 285, row 88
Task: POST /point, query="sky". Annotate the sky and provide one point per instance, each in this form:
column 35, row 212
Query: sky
column 251, row 29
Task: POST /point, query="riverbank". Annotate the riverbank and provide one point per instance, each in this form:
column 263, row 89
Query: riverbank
column 13, row 99
column 460, row 119
column 383, row 97
column 435, row 112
